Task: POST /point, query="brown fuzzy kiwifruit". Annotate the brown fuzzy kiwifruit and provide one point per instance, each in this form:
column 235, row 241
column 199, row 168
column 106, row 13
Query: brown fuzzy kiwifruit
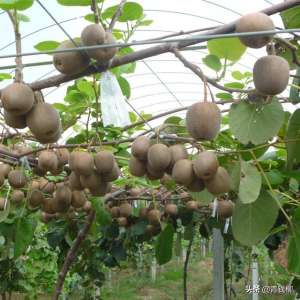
column 225, row 209
column 92, row 35
column 192, row 205
column 205, row 165
column 14, row 121
column 125, row 210
column 122, row 222
column 63, row 196
column 171, row 209
column 37, row 171
column 49, row 205
column 255, row 22
column 4, row 169
column 17, row 196
column 46, row 186
column 203, row 120
column 17, row 98
column 183, row 172
column 17, row 179
column 153, row 174
column 178, row 152
column 143, row 212
column 91, row 181
column 140, row 147
column 47, row 161
column 102, row 189
column 2, row 203
column 220, row 183
column 63, row 156
column 197, row 185
column 271, row 75
column 159, row 157
column 34, row 185
column 113, row 174
column 70, row 63
column 44, row 122
column 115, row 212
column 104, row 162
column 137, row 167
column 78, row 199
column 74, row 182
column 82, row 163
column 153, row 216
column 35, row 198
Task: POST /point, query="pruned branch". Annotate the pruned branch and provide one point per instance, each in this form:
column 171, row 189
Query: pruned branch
column 72, row 253
column 116, row 15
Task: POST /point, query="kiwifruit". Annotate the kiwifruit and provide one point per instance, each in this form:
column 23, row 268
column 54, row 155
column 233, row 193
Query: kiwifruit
column 91, row 181
column 154, row 216
column 125, row 210
column 197, row 185
column 93, row 35
column 159, row 157
column 49, row 205
column 220, row 183
column 177, row 152
column 115, row 212
column 70, row 63
column 63, row 196
column 153, row 174
column 113, row 174
column 137, row 167
column 140, row 147
column 82, row 163
column 74, row 181
column 271, row 74
column 44, row 122
column 87, row 206
column 171, row 209
column 143, row 212
column 166, row 180
column 203, row 120
column 78, row 199
column 58, row 170
column 14, row 121
column 37, row 171
column 63, row 155
column 104, row 161
column 192, row 205
column 153, row 229
column 47, row 161
column 17, row 98
column 183, row 172
column 135, row 192
column 35, row 198
column 101, row 189
column 17, row 179
column 46, row 186
column 2, row 203
column 4, row 169
column 122, row 222
column 205, row 165
column 34, row 185
column 17, row 196
column 225, row 209
column 255, row 22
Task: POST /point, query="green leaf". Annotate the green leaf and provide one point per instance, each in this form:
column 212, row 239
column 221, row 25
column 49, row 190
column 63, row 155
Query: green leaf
column 294, row 245
column 250, row 183
column 4, row 76
column 46, row 45
column 16, row 4
column 164, row 245
column 102, row 216
column 252, row 222
column 125, row 86
column 291, row 17
column 213, row 62
column 131, row 11
column 76, row 2
column 203, row 197
column 24, row 234
column 255, row 123
column 234, row 170
column 234, row 85
column 293, row 132
column 23, row 18
column 145, row 22
column 229, row 48
column 128, row 68
column 274, row 177
column 224, row 96
column 86, row 87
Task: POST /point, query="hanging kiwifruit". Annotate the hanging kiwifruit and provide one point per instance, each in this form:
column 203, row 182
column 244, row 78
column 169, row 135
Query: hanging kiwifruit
column 63, row 156
column 82, row 163
column 255, row 22
column 49, row 205
column 192, row 205
column 220, row 183
column 47, row 161
column 104, row 161
column 102, row 189
column 17, row 98
column 153, row 216
column 46, row 186
column 154, row 174
column 177, row 152
column 225, row 208
column 17, row 179
column 2, row 203
column 271, row 74
column 113, row 174
column 78, row 199
column 4, row 169
column 197, row 185
column 70, row 63
column 171, row 209
column 74, row 182
column 44, row 122
column 205, row 165
column 122, row 222
column 203, row 120
column 140, row 147
column 17, row 196
column 159, row 157
column 35, row 198
column 125, row 210
column 183, row 172
column 34, row 185
column 115, row 212
column 135, row 191
column 137, row 167
column 91, row 181
column 63, row 196
column 14, row 121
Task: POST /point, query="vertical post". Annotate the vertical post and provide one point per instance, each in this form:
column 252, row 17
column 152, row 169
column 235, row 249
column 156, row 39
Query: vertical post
column 153, row 270
column 218, row 265
column 255, row 277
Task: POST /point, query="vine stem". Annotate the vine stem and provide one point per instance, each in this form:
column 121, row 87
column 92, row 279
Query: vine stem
column 186, row 263
column 95, row 11
column 116, row 15
column 72, row 254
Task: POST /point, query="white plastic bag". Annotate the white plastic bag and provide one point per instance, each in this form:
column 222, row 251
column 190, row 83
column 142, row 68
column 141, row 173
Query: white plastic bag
column 113, row 105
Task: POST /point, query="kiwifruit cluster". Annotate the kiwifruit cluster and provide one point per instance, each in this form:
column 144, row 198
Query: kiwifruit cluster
column 203, row 120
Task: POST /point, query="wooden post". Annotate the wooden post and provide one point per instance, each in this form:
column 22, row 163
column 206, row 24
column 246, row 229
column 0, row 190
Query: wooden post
column 218, row 265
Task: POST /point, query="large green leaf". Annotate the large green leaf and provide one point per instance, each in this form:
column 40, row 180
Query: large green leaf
column 16, row 4
column 250, row 183
column 164, row 245
column 252, row 222
column 293, row 132
column 76, row 2
column 46, row 45
column 255, row 123
column 234, row 170
column 131, row 11
column 24, row 234
column 229, row 48
column 213, row 62
column 291, row 17
column 294, row 245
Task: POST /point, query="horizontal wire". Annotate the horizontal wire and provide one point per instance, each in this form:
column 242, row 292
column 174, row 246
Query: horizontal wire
column 200, row 38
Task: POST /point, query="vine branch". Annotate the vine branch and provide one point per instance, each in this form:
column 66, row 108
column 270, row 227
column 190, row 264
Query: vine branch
column 116, row 15
column 292, row 48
